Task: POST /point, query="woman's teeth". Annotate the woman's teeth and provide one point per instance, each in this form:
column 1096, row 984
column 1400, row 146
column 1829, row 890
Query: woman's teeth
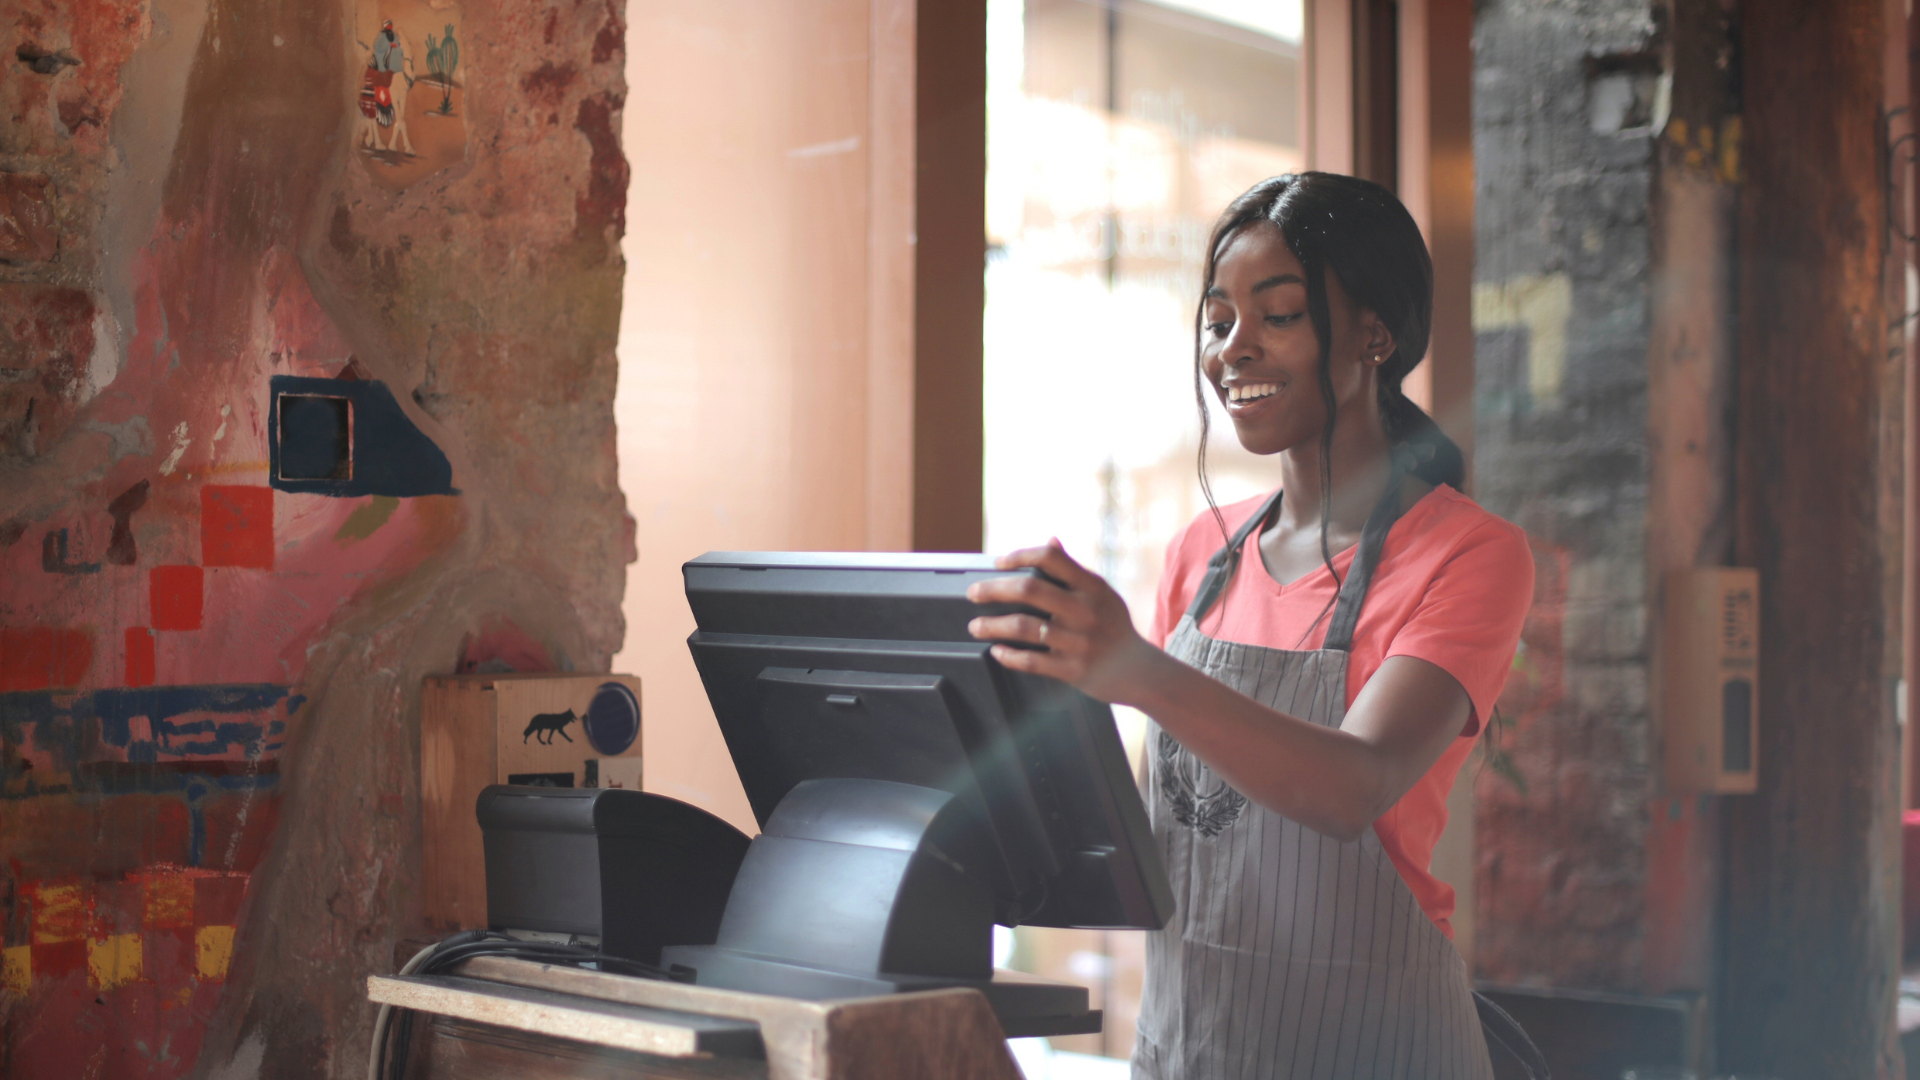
column 1251, row 391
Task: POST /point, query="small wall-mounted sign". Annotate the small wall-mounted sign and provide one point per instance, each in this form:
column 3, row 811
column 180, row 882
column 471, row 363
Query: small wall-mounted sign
column 1710, row 667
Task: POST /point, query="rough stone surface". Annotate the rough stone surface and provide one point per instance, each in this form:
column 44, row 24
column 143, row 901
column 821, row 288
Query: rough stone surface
column 26, row 220
column 210, row 765
column 1562, row 316
column 46, row 346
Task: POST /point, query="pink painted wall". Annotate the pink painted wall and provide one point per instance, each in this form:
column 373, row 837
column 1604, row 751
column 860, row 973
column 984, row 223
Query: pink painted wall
column 766, row 397
column 209, row 675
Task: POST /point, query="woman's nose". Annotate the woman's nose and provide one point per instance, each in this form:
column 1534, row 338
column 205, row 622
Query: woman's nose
column 1237, row 348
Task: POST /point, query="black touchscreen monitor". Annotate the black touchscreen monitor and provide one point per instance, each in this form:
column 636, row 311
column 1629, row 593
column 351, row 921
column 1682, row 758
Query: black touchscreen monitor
column 859, row 666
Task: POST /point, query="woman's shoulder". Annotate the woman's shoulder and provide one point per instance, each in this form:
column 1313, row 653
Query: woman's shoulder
column 1451, row 525
column 1456, row 514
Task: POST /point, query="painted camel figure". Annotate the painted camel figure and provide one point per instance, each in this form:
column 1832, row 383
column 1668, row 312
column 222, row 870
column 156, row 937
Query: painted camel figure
column 383, row 94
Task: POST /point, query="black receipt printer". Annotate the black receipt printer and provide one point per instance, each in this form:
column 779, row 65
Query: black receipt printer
column 630, row 870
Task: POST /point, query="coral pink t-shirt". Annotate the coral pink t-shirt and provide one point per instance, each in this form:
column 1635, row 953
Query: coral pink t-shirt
column 1452, row 587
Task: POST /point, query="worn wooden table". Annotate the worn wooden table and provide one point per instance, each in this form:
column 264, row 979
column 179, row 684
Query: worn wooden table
column 494, row 1018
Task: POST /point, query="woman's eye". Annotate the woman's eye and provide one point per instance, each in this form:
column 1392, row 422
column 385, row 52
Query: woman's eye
column 1283, row 320
column 1219, row 329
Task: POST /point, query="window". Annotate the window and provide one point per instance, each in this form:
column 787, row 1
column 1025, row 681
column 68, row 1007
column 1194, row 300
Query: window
column 1117, row 132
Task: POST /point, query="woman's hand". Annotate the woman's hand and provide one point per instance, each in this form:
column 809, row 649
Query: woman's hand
column 1090, row 640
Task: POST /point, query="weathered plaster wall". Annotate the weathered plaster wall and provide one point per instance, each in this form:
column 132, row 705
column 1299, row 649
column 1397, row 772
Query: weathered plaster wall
column 208, row 676
column 1562, row 315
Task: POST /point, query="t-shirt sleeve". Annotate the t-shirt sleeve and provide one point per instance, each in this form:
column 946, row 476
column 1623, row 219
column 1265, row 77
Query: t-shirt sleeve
column 1171, row 599
column 1468, row 622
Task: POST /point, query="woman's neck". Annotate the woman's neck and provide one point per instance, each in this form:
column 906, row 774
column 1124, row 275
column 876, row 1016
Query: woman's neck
column 1362, row 462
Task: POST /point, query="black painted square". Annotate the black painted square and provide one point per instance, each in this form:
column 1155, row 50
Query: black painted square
column 315, row 438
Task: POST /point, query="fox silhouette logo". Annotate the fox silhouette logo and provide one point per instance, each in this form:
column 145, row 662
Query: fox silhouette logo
column 545, row 726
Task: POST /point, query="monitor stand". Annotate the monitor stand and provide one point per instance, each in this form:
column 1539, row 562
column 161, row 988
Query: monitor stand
column 851, row 892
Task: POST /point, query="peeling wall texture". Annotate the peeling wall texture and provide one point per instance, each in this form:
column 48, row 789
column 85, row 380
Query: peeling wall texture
column 307, row 325
column 1564, row 121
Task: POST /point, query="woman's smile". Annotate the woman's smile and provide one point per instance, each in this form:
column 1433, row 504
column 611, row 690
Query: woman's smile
column 1245, row 400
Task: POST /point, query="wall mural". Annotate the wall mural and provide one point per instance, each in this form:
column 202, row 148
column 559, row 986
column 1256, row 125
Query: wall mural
column 232, row 549
column 169, row 612
column 163, row 597
column 412, row 116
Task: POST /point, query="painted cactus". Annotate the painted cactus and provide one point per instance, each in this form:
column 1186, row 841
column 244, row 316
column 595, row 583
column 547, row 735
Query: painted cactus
column 443, row 57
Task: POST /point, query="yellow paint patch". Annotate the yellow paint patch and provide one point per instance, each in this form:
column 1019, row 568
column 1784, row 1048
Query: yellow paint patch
column 169, row 901
column 213, row 949
column 59, row 914
column 16, row 969
column 114, row 961
column 1541, row 304
column 1729, row 164
column 367, row 519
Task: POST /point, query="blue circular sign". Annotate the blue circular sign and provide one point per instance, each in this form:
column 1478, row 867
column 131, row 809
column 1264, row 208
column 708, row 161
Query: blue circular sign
column 613, row 719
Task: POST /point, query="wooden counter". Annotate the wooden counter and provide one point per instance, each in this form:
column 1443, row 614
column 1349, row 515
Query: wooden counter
column 494, row 1018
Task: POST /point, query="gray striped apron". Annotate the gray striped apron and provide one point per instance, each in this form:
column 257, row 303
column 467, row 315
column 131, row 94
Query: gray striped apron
column 1290, row 955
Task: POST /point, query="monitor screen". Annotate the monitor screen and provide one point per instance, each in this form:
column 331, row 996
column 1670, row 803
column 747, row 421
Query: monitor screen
column 859, row 666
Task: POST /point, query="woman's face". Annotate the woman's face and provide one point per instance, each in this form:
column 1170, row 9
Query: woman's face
column 1259, row 350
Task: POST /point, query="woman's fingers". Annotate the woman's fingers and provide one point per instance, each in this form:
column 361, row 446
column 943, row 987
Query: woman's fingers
column 1036, row 663
column 1020, row 558
column 1075, row 597
column 1055, row 561
column 1068, row 653
column 1028, row 628
column 1085, row 635
column 1051, row 558
column 1066, row 657
column 1066, row 607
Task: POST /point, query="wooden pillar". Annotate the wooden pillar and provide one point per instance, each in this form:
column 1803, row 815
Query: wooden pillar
column 1329, row 97
column 1811, row 934
column 1910, row 561
column 950, row 261
column 1436, row 182
column 1376, row 91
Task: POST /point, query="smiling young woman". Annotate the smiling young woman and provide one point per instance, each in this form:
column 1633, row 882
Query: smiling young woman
column 1312, row 704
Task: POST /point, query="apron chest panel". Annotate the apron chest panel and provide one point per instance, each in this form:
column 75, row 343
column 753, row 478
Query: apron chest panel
column 1290, row 954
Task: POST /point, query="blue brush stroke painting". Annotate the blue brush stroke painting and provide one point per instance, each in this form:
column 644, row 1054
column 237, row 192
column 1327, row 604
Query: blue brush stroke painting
column 189, row 721
column 388, row 455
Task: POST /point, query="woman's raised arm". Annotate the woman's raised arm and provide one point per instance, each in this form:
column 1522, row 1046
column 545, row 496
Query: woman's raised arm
column 1334, row 781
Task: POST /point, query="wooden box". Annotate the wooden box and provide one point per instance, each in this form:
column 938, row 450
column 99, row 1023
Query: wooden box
column 565, row 730
column 1710, row 672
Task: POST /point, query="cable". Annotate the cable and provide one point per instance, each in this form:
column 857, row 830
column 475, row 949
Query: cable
column 393, row 1028
column 385, row 1017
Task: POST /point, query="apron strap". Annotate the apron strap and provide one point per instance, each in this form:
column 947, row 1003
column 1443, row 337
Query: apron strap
column 1221, row 567
column 1373, row 537
column 1353, row 591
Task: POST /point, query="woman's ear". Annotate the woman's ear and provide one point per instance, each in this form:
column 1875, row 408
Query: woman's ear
column 1378, row 339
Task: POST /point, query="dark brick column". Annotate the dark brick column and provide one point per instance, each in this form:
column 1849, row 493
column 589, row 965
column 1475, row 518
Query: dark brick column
column 1563, row 143
column 1812, row 884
